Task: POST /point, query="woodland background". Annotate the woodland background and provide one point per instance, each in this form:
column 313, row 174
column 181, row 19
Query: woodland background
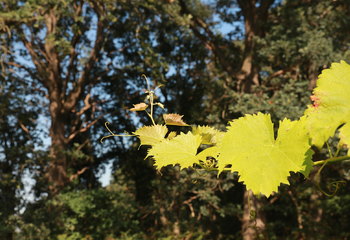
column 68, row 66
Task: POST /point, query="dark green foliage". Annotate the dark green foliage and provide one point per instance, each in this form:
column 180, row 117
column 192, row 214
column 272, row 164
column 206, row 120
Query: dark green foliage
column 83, row 214
column 17, row 121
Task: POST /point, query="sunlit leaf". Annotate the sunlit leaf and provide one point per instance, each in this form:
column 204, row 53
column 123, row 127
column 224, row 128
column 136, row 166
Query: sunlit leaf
column 150, row 135
column 171, row 135
column 209, row 135
column 181, row 150
column 263, row 162
column 174, row 119
column 160, row 105
column 331, row 106
column 139, row 107
column 344, row 135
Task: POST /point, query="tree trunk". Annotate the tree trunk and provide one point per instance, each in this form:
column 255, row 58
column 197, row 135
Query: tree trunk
column 254, row 19
column 312, row 75
column 253, row 221
column 56, row 174
column 248, row 74
column 55, row 78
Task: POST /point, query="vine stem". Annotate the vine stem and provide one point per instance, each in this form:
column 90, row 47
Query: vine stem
column 112, row 134
column 147, row 82
column 151, row 102
column 332, row 160
column 321, row 162
column 151, row 98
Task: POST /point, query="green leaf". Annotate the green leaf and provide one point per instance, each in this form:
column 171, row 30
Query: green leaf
column 209, row 135
column 331, row 106
column 181, row 150
column 171, row 135
column 344, row 135
column 308, row 163
column 262, row 162
column 150, row 135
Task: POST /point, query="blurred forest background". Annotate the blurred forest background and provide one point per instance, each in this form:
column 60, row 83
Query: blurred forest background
column 68, row 66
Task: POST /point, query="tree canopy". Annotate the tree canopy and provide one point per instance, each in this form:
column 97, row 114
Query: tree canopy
column 68, row 67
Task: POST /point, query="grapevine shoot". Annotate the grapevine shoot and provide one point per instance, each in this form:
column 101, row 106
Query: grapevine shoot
column 249, row 147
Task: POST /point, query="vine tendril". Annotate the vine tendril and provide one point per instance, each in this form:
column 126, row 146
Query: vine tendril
column 333, row 187
column 113, row 134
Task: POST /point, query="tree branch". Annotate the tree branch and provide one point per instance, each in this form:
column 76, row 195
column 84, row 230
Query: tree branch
column 74, row 176
column 71, row 69
column 40, row 66
column 76, row 93
column 332, row 160
column 84, row 129
column 208, row 40
column 51, row 52
column 27, row 69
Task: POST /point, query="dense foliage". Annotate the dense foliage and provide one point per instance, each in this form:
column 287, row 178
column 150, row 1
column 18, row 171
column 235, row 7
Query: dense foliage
column 69, row 66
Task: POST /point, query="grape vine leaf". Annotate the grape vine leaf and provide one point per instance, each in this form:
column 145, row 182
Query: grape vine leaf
column 263, row 162
column 344, row 134
column 181, row 150
column 210, row 135
column 150, row 135
column 171, row 135
column 208, row 152
column 331, row 103
column 139, row 107
column 174, row 119
column 309, row 164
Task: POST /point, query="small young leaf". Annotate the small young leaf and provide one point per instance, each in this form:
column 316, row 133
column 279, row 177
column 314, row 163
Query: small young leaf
column 174, row 119
column 160, row 105
column 171, row 135
column 150, row 135
column 209, row 135
column 139, row 107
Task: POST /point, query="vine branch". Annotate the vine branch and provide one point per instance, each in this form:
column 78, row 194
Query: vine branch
column 332, row 160
column 112, row 134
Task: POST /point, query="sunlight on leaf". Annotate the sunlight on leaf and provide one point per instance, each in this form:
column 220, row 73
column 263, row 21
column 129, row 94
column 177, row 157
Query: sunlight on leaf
column 171, row 135
column 150, row 135
column 209, row 135
column 160, row 105
column 344, row 135
column 139, row 107
column 263, row 162
column 181, row 150
column 331, row 106
column 174, row 119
